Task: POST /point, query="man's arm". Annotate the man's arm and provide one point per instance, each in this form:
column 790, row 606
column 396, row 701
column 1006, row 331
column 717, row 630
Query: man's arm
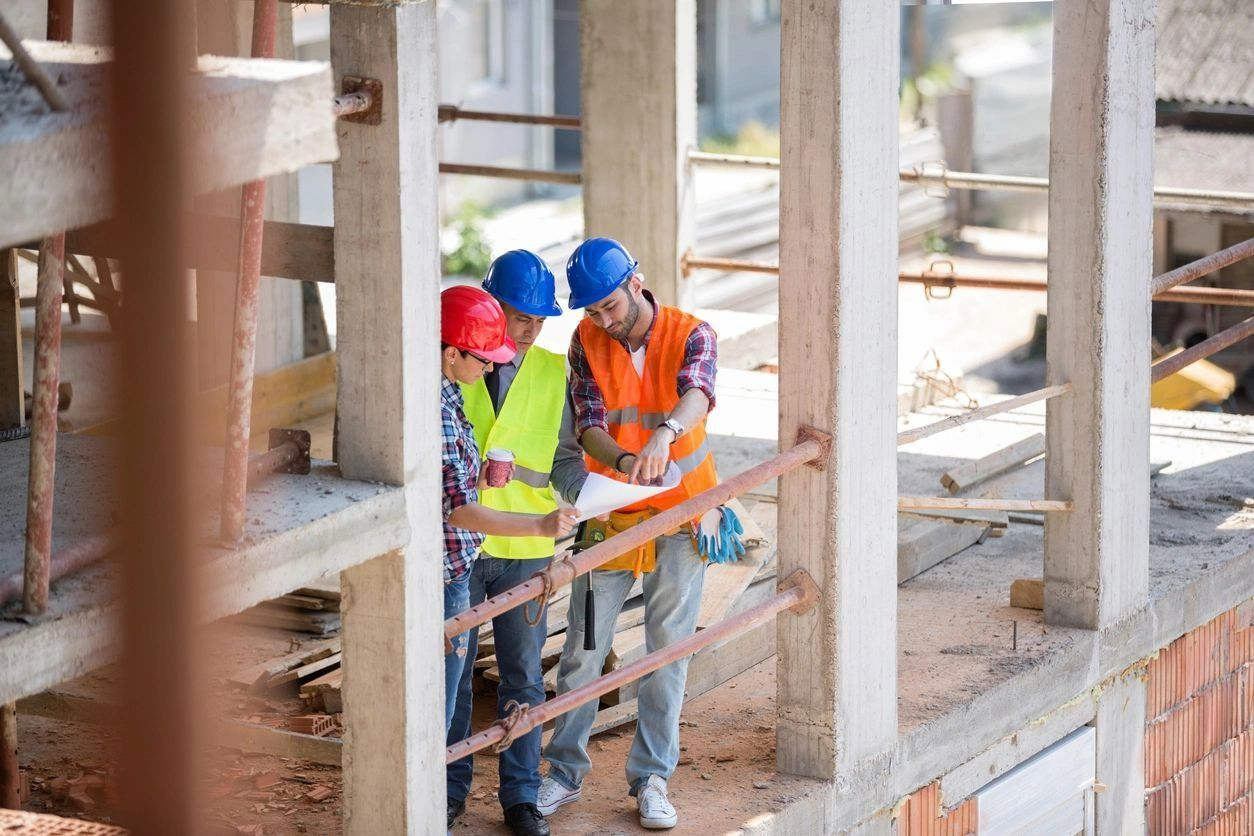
column 569, row 471
column 485, row 520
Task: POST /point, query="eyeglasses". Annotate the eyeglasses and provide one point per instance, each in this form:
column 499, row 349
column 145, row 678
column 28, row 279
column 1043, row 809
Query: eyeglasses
column 473, row 356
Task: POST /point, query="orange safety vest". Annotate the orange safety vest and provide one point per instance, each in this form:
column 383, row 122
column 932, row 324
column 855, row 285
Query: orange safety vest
column 636, row 406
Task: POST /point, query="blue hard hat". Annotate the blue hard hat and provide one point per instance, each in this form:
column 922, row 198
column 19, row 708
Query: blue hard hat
column 595, row 270
column 522, row 280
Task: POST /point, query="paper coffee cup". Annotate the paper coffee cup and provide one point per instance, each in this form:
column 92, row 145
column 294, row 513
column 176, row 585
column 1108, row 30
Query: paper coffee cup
column 500, row 467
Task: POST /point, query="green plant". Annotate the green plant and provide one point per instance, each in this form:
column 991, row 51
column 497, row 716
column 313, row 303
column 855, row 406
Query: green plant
column 753, row 139
column 935, row 243
column 471, row 256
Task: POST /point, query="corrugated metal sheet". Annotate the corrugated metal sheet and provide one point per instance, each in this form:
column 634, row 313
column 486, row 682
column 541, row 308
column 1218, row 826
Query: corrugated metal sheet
column 1205, row 51
column 1203, row 160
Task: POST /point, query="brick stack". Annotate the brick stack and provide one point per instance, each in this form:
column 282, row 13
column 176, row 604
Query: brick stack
column 921, row 815
column 1199, row 735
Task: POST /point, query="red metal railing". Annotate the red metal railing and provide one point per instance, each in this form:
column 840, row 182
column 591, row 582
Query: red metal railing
column 798, row 593
column 244, row 343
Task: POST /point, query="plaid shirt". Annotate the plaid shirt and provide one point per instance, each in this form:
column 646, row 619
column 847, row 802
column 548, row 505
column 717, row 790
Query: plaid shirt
column 697, row 372
column 459, row 456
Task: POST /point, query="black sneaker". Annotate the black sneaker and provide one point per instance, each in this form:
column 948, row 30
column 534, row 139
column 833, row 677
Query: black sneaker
column 525, row 820
column 455, row 809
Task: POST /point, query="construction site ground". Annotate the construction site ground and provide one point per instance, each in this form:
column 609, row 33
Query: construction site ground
column 959, row 645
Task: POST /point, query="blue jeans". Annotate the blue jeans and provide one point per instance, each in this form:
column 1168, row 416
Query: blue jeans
column 672, row 602
column 518, row 647
column 456, row 599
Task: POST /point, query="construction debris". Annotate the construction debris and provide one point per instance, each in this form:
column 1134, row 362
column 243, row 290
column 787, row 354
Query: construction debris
column 307, row 610
column 1028, row 593
column 972, row 473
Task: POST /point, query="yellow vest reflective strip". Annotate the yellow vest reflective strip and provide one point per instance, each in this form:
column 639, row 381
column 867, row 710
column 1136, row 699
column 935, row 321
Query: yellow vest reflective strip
column 528, row 425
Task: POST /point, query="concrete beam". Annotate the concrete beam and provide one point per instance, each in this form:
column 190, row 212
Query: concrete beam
column 1100, row 261
column 838, row 254
column 251, row 119
column 387, row 286
column 639, row 117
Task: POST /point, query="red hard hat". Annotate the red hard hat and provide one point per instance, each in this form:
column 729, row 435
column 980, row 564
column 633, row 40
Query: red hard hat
column 470, row 319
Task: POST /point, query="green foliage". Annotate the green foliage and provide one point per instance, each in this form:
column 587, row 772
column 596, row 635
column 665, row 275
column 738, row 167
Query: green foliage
column 472, row 256
column 935, row 243
column 753, row 139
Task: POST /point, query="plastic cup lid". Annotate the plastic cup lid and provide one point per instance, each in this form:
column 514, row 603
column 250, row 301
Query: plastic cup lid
column 499, row 455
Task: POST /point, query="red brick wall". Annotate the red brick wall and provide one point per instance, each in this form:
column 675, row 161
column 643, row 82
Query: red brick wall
column 921, row 815
column 1199, row 733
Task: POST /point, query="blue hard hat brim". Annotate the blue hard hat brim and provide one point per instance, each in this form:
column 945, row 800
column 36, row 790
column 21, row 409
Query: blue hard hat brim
column 576, row 302
column 530, row 310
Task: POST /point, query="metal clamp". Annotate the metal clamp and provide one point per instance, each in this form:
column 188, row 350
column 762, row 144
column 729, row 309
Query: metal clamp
column 933, row 277
column 800, row 579
column 819, row 462
column 931, row 190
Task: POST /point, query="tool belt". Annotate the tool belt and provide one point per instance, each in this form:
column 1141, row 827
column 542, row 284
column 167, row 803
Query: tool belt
column 639, row 560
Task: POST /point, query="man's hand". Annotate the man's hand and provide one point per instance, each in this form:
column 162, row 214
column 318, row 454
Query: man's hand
column 559, row 523
column 652, row 461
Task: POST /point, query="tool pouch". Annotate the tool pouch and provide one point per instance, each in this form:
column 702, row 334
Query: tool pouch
column 637, row 561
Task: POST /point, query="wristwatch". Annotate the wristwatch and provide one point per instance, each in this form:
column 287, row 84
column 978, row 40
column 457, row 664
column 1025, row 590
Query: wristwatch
column 675, row 427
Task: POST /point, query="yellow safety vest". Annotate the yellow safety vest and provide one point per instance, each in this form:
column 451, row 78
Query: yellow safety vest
column 528, row 425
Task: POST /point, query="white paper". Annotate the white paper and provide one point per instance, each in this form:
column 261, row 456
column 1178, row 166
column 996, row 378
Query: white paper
column 601, row 494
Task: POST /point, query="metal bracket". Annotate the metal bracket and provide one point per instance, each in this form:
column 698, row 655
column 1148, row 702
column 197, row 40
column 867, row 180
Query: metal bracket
column 939, row 274
column 800, row 578
column 805, row 434
column 924, row 175
column 300, row 465
column 373, row 88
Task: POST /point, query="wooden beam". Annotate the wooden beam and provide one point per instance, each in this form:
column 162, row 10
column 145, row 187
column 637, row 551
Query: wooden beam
column 982, row 504
column 969, row 474
column 288, row 250
column 251, row 119
column 12, row 399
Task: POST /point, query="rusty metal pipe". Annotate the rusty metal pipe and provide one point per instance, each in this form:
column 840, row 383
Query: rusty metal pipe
column 452, row 113
column 1196, row 269
column 572, row 178
column 43, row 438
column 798, row 592
column 563, row 572
column 350, row 103
column 67, row 561
column 266, row 463
column 1231, row 336
column 244, row 333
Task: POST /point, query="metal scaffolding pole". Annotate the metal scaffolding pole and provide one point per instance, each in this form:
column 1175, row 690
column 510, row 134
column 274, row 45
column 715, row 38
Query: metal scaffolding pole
column 247, row 298
column 452, row 113
column 571, row 178
column 1203, row 266
column 1213, row 345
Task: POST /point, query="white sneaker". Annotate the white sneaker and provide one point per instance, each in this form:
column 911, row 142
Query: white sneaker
column 552, row 795
column 656, row 812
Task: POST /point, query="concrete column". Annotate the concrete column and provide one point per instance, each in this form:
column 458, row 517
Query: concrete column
column 639, row 119
column 1100, row 260
column 1120, row 724
column 387, row 283
column 12, row 398
column 838, row 371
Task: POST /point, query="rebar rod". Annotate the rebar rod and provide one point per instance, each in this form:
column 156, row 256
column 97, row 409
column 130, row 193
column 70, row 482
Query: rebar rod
column 1196, row 269
column 971, row 181
column 910, row 436
column 244, row 333
column 792, row 596
column 268, row 462
column 43, row 438
column 31, row 68
column 563, row 571
column 452, row 113
column 1212, row 345
column 573, row 178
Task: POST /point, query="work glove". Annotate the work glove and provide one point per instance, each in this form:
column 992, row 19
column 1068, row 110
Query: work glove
column 708, row 528
column 730, row 531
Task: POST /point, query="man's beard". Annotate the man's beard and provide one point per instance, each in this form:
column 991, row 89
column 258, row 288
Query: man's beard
column 633, row 314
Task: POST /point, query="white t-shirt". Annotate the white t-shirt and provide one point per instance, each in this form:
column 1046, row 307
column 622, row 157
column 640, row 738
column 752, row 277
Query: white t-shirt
column 637, row 360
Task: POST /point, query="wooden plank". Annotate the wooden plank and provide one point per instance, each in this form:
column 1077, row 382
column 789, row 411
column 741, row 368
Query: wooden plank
column 12, row 400
column 258, row 673
column 1028, row 593
column 969, row 474
column 262, row 615
column 288, row 250
column 305, row 671
column 983, row 519
column 305, row 602
column 726, row 582
column 923, row 544
column 905, row 503
column 253, row 737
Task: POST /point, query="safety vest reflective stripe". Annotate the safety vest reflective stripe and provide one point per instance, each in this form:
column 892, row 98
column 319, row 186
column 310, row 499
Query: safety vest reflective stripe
column 693, row 460
column 529, row 477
